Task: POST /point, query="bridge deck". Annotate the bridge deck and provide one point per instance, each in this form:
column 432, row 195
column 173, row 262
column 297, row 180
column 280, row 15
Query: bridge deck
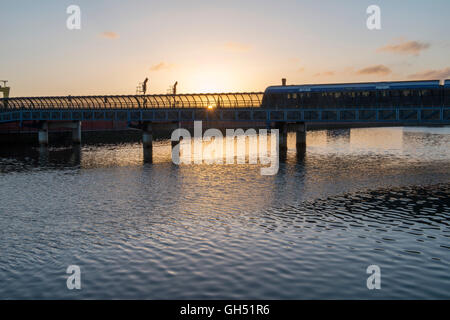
column 189, row 107
column 396, row 115
column 220, row 100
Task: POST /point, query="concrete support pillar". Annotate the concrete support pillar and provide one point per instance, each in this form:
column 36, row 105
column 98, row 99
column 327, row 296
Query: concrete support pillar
column 148, row 155
column 147, row 135
column 147, row 142
column 75, row 156
column 283, row 136
column 176, row 125
column 301, row 135
column 43, row 155
column 76, row 133
column 282, row 139
column 43, row 134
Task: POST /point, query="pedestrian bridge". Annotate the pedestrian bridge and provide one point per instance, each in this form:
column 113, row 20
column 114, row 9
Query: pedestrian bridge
column 204, row 107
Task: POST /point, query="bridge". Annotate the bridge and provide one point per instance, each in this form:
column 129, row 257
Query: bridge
column 203, row 107
column 141, row 111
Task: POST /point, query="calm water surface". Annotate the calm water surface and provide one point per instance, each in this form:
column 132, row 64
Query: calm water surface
column 157, row 231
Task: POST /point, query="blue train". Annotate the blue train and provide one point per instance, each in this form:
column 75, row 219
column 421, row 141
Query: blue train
column 347, row 95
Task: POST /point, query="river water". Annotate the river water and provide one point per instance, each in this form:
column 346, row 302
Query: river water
column 354, row 198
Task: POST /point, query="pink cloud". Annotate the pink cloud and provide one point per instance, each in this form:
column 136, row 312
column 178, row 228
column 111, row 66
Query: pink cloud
column 431, row 74
column 161, row 66
column 109, row 35
column 378, row 69
column 405, row 47
column 325, row 74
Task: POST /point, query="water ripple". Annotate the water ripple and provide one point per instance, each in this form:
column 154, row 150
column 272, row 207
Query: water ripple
column 160, row 231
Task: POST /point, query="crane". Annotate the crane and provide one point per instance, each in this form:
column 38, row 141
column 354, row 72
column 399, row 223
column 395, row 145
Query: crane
column 4, row 89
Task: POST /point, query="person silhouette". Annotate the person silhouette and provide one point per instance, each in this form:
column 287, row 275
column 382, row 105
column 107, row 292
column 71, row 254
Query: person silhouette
column 144, row 85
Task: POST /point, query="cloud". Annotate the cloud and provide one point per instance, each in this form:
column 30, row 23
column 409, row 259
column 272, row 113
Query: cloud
column 405, row 47
column 301, row 69
column 325, row 74
column 378, row 69
column 161, row 66
column 236, row 47
column 432, row 74
column 109, row 35
column 294, row 60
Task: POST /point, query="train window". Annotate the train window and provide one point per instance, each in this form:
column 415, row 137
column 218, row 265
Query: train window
column 383, row 99
column 273, row 100
column 446, row 93
column 294, row 96
column 314, row 99
column 346, row 99
column 302, row 99
column 288, row 95
column 415, row 98
column 437, row 97
column 394, row 93
column 373, row 98
column 363, row 99
column 338, row 98
column 407, row 98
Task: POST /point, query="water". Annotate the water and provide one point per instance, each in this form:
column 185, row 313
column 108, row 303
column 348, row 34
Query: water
column 355, row 198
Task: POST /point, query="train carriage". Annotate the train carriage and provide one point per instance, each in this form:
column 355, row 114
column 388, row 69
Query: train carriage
column 446, row 93
column 427, row 93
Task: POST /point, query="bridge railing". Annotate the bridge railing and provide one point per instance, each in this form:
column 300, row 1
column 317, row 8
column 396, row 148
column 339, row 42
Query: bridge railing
column 213, row 100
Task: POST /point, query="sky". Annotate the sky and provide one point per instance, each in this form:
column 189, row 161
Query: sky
column 217, row 46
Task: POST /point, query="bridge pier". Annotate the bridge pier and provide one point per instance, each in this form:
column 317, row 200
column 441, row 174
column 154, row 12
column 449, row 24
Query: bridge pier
column 44, row 155
column 147, row 141
column 147, row 138
column 43, row 134
column 300, row 130
column 76, row 155
column 176, row 125
column 282, row 139
column 45, row 126
column 76, row 133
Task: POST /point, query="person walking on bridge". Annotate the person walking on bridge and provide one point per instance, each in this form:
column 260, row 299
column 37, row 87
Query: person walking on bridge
column 144, row 86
